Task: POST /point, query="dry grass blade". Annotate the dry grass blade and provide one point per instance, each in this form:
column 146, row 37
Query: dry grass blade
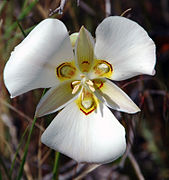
column 126, row 11
column 85, row 170
column 21, row 114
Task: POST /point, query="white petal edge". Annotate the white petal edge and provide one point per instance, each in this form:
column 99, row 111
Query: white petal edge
column 115, row 98
column 55, row 99
column 73, row 38
column 125, row 45
column 94, row 138
column 33, row 62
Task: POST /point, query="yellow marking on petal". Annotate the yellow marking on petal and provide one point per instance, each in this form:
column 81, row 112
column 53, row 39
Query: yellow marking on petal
column 65, row 71
column 87, row 102
column 85, row 66
column 102, row 68
column 98, row 83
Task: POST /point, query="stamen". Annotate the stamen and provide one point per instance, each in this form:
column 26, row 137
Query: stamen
column 89, row 82
column 92, row 88
column 75, row 89
column 75, row 82
column 82, row 95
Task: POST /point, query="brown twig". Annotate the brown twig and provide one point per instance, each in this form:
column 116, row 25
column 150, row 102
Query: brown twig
column 75, row 171
column 136, row 80
column 45, row 156
column 87, row 8
column 58, row 10
column 85, row 170
column 130, row 138
column 78, row 2
column 107, row 7
column 135, row 166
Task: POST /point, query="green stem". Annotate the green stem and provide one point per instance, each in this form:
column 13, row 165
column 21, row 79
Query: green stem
column 17, row 151
column 27, row 146
column 26, row 150
column 55, row 167
column 20, row 27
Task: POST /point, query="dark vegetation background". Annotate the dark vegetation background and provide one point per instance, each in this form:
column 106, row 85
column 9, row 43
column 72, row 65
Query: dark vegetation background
column 147, row 132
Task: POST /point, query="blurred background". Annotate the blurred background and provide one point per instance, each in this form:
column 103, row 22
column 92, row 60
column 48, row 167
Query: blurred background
column 147, row 155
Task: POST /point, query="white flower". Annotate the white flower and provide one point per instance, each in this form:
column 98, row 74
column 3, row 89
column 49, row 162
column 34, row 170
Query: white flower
column 85, row 129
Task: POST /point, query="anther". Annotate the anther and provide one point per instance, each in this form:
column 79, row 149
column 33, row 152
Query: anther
column 75, row 89
column 89, row 82
column 92, row 88
column 75, row 82
column 82, row 95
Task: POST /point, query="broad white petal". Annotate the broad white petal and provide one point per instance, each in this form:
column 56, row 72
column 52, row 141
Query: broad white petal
column 84, row 52
column 33, row 62
column 55, row 99
column 127, row 46
column 94, row 138
column 115, row 98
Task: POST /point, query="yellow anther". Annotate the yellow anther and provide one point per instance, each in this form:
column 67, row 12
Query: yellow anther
column 75, row 89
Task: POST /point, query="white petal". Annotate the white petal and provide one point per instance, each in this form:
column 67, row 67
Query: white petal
column 84, row 50
column 55, row 99
column 115, row 98
column 94, row 138
column 127, row 46
column 33, row 62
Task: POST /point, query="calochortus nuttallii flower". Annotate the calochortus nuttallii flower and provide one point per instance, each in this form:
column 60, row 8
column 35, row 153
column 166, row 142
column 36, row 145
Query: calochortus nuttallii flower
column 78, row 70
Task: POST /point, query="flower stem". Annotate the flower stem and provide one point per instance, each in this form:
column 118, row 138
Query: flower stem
column 55, row 168
column 27, row 146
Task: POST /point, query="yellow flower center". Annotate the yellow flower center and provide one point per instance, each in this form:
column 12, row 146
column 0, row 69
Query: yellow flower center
column 86, row 102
